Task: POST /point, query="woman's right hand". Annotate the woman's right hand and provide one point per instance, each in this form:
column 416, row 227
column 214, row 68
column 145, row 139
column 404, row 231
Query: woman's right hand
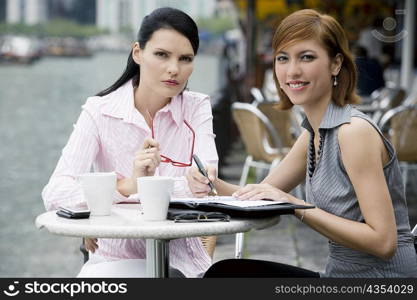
column 145, row 162
column 147, row 159
column 198, row 183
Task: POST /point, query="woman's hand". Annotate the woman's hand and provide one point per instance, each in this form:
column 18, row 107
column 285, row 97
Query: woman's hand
column 262, row 191
column 147, row 159
column 198, row 183
column 90, row 244
column 145, row 162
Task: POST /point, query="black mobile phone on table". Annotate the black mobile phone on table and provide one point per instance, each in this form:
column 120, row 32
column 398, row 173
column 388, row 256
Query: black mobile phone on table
column 73, row 213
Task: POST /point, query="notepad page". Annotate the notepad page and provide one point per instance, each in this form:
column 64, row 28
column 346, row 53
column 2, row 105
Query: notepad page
column 229, row 200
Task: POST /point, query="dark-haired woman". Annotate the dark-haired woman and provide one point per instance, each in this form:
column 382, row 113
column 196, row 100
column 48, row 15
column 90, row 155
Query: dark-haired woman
column 145, row 124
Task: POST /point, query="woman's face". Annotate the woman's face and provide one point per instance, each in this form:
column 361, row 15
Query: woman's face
column 166, row 62
column 304, row 71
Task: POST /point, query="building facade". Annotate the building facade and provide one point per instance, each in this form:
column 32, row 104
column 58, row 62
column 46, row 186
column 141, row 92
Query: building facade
column 112, row 15
column 115, row 15
column 26, row 11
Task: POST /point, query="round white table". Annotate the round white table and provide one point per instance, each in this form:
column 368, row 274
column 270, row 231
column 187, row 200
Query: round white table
column 126, row 221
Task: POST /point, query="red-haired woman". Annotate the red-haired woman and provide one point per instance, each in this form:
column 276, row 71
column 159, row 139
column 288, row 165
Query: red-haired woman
column 352, row 175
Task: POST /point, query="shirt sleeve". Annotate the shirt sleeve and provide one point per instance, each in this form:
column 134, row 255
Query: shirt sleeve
column 202, row 122
column 77, row 157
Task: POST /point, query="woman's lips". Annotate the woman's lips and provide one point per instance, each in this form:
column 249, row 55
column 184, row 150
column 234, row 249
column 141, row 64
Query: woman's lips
column 297, row 85
column 171, row 82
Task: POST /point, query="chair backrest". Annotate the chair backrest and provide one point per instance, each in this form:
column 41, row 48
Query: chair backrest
column 284, row 122
column 404, row 135
column 257, row 132
column 401, row 125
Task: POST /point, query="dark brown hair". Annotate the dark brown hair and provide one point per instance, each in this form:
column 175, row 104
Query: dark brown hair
column 167, row 18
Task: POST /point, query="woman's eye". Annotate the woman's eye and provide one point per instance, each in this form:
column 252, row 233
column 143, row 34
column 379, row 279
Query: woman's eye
column 161, row 54
column 307, row 57
column 281, row 58
column 186, row 58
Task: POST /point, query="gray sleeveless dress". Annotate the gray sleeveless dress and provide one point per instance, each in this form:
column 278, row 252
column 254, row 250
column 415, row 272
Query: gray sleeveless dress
column 329, row 188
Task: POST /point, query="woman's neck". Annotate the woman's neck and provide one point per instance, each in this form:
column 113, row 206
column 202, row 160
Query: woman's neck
column 147, row 102
column 315, row 113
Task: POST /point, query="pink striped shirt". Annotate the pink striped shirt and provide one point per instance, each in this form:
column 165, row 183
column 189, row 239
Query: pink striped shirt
column 108, row 133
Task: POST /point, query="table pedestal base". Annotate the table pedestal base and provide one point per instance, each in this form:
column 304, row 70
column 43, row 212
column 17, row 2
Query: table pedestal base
column 157, row 258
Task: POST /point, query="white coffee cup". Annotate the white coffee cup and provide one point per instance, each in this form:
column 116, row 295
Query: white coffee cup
column 155, row 194
column 98, row 189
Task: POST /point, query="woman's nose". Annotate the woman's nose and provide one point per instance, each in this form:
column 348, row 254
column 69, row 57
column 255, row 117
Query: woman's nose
column 173, row 68
column 293, row 69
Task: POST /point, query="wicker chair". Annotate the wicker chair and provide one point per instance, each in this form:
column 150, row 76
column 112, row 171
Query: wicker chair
column 285, row 122
column 263, row 144
column 400, row 126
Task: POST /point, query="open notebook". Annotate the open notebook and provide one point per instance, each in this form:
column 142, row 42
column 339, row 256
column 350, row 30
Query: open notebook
column 226, row 200
column 235, row 207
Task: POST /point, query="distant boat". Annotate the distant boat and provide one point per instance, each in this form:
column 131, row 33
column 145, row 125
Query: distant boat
column 66, row 46
column 19, row 49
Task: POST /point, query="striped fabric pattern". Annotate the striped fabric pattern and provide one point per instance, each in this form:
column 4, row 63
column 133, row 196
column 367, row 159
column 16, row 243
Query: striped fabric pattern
column 329, row 188
column 108, row 133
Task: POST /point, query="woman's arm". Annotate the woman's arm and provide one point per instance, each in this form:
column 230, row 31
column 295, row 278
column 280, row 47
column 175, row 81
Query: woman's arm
column 291, row 171
column 76, row 158
column 201, row 120
column 363, row 154
column 286, row 176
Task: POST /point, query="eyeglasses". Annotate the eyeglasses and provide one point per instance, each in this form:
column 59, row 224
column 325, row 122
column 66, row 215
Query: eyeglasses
column 193, row 217
column 166, row 159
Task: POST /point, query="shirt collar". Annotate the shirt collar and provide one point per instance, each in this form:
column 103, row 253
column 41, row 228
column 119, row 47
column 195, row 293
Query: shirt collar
column 121, row 104
column 174, row 107
column 334, row 116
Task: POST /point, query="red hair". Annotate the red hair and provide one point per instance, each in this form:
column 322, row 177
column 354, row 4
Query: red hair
column 309, row 24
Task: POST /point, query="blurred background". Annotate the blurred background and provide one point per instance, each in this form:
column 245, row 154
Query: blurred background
column 56, row 53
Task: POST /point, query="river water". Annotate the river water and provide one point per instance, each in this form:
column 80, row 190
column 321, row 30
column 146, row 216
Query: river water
column 38, row 105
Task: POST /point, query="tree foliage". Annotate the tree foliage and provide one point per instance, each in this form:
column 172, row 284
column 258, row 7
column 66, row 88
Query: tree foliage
column 56, row 27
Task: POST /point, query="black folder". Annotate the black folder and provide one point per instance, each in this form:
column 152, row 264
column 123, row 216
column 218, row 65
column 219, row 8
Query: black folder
column 262, row 211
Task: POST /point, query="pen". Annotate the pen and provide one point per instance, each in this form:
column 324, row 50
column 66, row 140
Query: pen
column 203, row 171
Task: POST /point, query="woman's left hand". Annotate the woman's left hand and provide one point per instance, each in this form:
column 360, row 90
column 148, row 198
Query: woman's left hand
column 262, row 191
column 90, row 244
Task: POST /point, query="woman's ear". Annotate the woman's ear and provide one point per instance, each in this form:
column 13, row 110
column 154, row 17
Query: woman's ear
column 136, row 53
column 337, row 64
